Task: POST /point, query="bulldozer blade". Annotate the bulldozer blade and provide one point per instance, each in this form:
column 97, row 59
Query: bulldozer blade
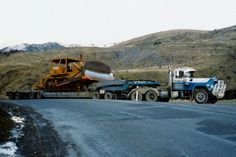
column 97, row 66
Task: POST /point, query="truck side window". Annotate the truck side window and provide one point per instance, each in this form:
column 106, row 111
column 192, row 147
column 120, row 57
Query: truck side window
column 191, row 74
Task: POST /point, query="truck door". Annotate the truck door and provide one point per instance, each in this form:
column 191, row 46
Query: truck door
column 178, row 80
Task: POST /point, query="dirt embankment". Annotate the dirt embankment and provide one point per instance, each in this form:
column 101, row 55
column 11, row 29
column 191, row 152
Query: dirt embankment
column 6, row 125
column 38, row 138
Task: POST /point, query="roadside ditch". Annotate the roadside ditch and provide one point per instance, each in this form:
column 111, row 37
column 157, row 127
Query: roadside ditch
column 24, row 132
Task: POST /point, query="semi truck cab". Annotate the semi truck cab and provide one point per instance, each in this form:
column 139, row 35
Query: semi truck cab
column 203, row 90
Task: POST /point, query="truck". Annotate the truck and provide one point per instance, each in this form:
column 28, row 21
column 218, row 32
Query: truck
column 181, row 85
column 203, row 90
column 69, row 77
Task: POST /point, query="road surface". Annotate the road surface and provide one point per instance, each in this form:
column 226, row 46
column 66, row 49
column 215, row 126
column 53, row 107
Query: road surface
column 102, row 128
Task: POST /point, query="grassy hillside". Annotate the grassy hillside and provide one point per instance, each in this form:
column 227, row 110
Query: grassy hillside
column 213, row 53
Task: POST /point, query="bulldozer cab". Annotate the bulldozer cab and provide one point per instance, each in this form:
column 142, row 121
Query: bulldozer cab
column 65, row 66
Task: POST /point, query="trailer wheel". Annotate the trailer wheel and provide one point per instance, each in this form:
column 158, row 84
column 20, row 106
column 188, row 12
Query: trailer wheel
column 96, row 95
column 151, row 96
column 31, row 95
column 17, row 95
column 11, row 96
column 123, row 96
column 114, row 96
column 39, row 95
column 108, row 96
column 133, row 96
column 201, row 96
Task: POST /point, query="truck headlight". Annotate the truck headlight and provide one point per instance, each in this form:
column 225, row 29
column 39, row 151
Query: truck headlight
column 212, row 86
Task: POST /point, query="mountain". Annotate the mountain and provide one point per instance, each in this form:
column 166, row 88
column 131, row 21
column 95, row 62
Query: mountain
column 212, row 53
column 184, row 36
column 31, row 47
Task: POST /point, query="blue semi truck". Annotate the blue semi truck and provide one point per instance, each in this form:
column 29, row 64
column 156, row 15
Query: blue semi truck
column 181, row 85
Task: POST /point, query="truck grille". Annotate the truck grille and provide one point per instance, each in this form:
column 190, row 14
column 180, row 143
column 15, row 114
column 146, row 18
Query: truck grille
column 219, row 89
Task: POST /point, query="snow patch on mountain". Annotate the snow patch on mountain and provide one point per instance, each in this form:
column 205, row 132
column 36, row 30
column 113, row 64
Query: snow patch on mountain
column 31, row 47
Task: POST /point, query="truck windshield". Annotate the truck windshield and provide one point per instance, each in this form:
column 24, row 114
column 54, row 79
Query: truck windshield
column 189, row 74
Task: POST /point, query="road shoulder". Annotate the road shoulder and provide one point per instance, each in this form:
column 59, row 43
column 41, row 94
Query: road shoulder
column 37, row 137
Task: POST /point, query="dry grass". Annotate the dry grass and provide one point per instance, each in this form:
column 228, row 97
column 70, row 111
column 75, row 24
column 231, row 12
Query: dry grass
column 212, row 53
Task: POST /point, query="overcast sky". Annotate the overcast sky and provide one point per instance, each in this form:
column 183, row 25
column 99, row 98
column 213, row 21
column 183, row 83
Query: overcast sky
column 106, row 21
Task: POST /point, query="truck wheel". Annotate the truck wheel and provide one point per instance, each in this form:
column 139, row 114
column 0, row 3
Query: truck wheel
column 151, row 96
column 201, row 96
column 17, row 95
column 133, row 96
column 96, row 95
column 108, row 96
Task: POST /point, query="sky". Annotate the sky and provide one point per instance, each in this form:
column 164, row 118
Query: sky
column 103, row 22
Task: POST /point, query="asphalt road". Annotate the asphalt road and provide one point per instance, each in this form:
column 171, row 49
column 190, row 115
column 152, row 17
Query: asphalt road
column 131, row 129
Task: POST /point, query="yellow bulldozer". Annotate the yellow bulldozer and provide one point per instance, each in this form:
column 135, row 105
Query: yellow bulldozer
column 67, row 74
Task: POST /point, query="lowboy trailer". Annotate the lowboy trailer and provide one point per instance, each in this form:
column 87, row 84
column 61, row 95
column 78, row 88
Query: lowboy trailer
column 181, row 85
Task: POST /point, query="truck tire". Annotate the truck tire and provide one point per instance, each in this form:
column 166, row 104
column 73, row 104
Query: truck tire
column 201, row 96
column 133, row 96
column 17, row 95
column 151, row 96
column 108, row 96
column 96, row 95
